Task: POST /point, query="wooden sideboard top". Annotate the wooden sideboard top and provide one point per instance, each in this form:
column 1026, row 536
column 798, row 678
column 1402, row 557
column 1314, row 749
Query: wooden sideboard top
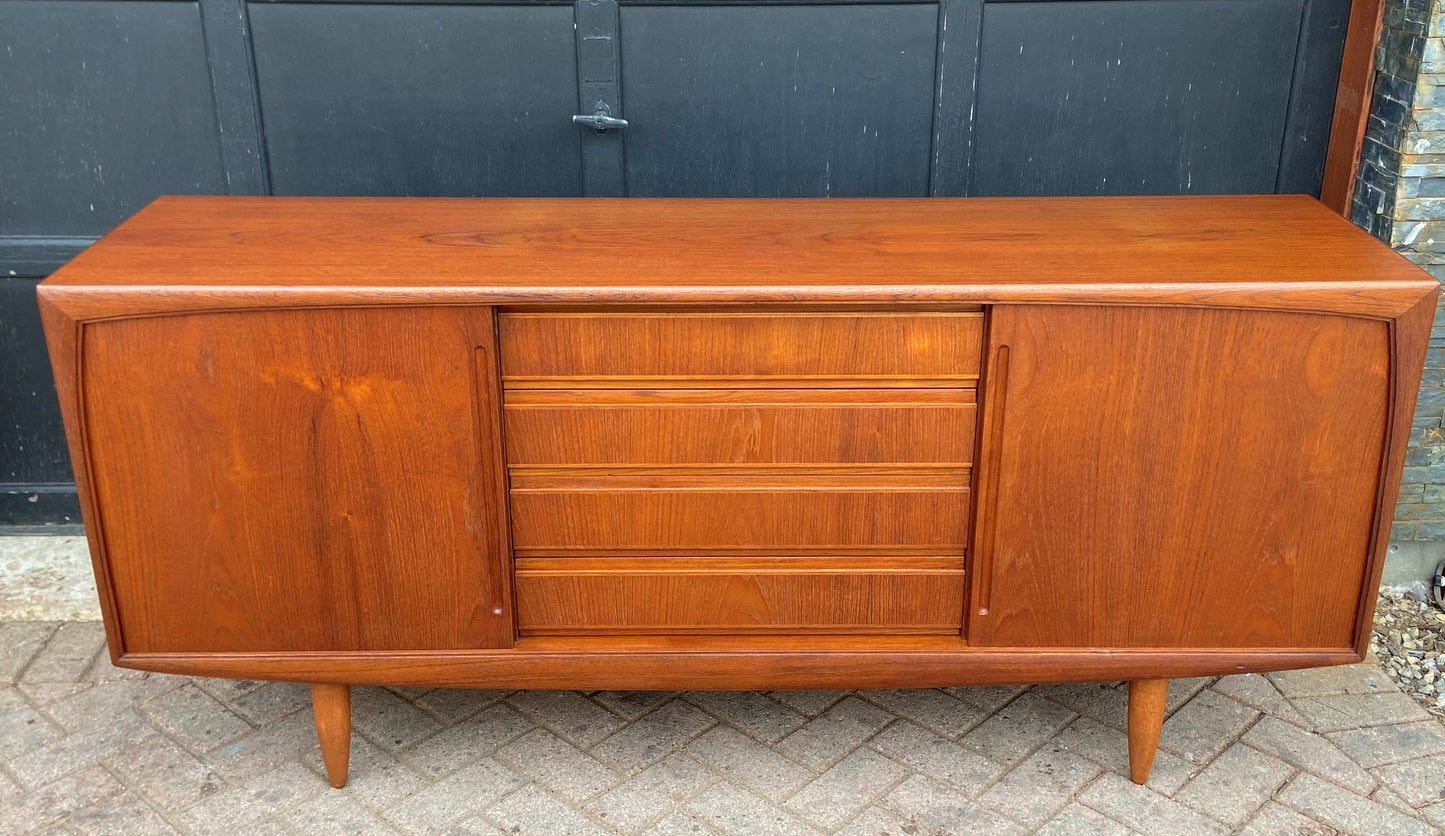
column 1256, row 251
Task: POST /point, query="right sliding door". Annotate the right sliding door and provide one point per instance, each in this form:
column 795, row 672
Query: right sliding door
column 1176, row 477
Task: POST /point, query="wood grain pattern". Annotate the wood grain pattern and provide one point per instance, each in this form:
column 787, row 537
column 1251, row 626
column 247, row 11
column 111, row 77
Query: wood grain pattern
column 1147, row 701
column 1259, row 251
column 1409, row 341
column 575, row 514
column 1307, row 393
column 736, row 382
column 1352, row 104
column 299, row 480
column 737, row 343
column 729, row 595
column 62, row 340
column 723, row 427
column 331, row 707
column 688, row 475
column 1181, row 478
column 745, row 663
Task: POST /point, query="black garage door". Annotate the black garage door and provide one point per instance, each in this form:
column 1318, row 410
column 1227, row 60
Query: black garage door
column 106, row 103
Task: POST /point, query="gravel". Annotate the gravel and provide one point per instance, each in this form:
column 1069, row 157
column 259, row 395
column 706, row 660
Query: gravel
column 1408, row 639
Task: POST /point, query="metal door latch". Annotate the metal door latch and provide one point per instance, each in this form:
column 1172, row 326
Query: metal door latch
column 600, row 120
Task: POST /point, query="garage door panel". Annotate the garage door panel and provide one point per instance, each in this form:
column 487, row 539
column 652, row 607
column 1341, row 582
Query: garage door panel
column 786, row 101
column 1133, row 96
column 103, row 106
column 418, row 99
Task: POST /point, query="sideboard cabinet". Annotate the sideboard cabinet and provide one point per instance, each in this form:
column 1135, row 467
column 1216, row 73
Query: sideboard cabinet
column 736, row 444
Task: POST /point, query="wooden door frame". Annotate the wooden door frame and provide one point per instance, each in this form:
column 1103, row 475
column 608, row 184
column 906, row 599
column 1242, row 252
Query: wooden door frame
column 1352, row 104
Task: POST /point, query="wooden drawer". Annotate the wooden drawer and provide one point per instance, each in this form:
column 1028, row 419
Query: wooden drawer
column 699, row 427
column 583, row 350
column 572, row 514
column 739, row 595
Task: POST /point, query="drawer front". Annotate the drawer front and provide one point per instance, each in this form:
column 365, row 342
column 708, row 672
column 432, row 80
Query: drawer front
column 580, row 350
column 816, row 513
column 740, row 471
column 699, row 427
column 730, row 595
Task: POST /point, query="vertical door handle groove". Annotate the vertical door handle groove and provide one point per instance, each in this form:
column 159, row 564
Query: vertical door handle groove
column 998, row 409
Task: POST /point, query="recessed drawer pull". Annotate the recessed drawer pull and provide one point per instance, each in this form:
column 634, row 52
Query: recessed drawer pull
column 728, row 348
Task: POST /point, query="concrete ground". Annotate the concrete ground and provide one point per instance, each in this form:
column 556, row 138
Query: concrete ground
column 89, row 748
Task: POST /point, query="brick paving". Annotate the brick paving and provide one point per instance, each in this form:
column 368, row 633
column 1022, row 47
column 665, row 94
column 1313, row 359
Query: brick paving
column 89, row 748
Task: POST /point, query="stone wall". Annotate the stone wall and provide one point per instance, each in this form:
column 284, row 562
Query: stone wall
column 1400, row 198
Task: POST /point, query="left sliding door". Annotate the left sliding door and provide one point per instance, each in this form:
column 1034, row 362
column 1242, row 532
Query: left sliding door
column 299, row 480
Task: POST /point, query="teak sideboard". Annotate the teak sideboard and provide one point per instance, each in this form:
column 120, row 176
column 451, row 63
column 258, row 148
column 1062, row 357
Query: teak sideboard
column 736, row 444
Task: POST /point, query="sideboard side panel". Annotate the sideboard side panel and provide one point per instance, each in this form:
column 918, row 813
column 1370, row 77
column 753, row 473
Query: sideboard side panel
column 305, row 480
column 1178, row 477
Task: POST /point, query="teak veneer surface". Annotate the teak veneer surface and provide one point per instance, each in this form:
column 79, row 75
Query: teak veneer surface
column 820, row 513
column 1261, row 251
column 741, row 442
column 1152, row 492
column 748, row 663
column 677, row 345
column 666, row 480
column 690, row 427
column 298, row 480
column 729, row 595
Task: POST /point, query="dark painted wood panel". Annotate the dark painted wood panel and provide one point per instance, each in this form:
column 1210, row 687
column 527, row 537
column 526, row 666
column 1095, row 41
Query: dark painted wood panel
column 32, row 450
column 959, row 22
column 1312, row 96
column 300, row 480
column 103, row 106
column 41, row 509
column 227, row 28
column 37, row 256
column 36, row 485
column 599, row 88
column 1139, row 97
column 418, row 100
column 1177, row 478
column 778, row 101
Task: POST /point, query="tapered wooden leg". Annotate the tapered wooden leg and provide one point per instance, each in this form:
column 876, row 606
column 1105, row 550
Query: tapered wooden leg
column 332, row 706
column 1146, row 718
